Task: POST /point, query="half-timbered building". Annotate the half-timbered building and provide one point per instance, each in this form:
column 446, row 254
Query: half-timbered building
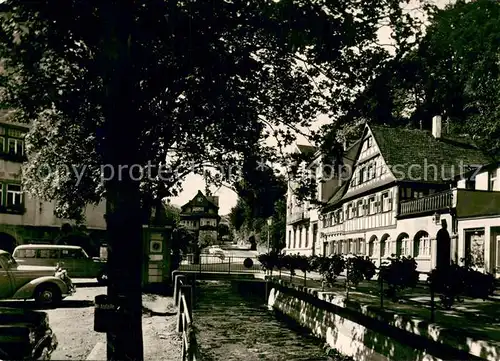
column 413, row 193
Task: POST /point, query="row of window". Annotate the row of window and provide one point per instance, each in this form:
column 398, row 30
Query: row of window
column 296, row 242
column 190, row 223
column 50, row 253
column 200, row 210
column 367, row 171
column 13, row 195
column 202, row 222
column 421, row 247
column 12, row 140
column 360, row 208
column 208, row 222
column 492, row 181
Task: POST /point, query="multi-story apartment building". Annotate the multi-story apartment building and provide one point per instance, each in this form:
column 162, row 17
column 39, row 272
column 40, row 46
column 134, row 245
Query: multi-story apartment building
column 23, row 218
column 201, row 215
column 300, row 227
column 411, row 192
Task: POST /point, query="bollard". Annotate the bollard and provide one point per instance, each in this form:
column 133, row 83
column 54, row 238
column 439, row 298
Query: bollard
column 103, row 313
column 229, row 266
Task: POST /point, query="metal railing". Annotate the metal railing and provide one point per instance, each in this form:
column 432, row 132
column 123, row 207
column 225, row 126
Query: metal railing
column 183, row 299
column 219, row 263
column 434, row 202
column 305, row 279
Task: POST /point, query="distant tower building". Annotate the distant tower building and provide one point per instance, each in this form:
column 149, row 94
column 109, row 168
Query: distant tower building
column 201, row 215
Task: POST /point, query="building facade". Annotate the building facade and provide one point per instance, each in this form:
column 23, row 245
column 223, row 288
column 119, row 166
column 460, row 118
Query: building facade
column 201, row 216
column 303, row 218
column 302, row 225
column 23, row 218
column 413, row 193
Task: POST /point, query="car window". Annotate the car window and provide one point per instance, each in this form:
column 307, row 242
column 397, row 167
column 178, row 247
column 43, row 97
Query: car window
column 71, row 253
column 25, row 253
column 48, row 253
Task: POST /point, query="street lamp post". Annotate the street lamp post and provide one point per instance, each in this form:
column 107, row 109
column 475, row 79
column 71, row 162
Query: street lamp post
column 269, row 222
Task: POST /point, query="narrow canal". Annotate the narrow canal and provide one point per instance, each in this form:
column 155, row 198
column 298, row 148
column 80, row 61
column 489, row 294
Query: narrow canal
column 234, row 324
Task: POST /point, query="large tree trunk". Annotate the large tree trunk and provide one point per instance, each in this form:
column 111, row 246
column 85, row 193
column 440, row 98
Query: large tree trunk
column 125, row 270
column 120, row 149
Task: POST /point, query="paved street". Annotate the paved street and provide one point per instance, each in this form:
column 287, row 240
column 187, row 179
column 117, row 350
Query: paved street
column 73, row 324
column 243, row 253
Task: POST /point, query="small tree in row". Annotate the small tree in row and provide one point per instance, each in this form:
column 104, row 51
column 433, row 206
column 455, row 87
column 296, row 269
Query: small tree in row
column 357, row 268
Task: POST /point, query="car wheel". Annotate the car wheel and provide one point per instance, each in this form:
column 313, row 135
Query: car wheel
column 102, row 279
column 47, row 295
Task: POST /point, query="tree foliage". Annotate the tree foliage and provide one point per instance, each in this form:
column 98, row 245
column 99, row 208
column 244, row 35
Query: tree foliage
column 454, row 71
column 455, row 282
column 172, row 214
column 193, row 69
column 164, row 85
column 223, row 231
column 278, row 225
column 78, row 236
column 261, row 197
column 239, row 214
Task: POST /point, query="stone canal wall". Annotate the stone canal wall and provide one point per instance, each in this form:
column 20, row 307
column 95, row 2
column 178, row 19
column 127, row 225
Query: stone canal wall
column 361, row 333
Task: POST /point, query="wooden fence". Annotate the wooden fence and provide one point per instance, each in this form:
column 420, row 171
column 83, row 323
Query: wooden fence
column 183, row 298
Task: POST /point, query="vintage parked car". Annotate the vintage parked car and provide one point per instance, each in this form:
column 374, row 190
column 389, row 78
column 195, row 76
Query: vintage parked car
column 73, row 258
column 47, row 285
column 25, row 335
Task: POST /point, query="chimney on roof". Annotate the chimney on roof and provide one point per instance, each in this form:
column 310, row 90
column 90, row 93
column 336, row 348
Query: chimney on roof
column 436, row 126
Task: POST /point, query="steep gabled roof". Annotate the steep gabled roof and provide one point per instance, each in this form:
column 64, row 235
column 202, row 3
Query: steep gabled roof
column 337, row 196
column 205, row 202
column 415, row 155
column 349, row 158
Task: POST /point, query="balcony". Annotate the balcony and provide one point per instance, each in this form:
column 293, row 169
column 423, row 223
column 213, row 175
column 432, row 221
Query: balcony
column 297, row 217
column 428, row 204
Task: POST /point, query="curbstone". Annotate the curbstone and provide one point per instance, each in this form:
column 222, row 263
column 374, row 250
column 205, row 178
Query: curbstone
column 98, row 353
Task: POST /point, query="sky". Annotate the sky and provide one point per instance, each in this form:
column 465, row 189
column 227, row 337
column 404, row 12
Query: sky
column 228, row 198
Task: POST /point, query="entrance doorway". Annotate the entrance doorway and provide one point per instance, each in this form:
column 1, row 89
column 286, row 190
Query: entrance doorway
column 474, row 248
column 7, row 242
column 494, row 251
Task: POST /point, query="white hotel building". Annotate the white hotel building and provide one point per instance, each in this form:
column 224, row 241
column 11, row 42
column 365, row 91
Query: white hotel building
column 411, row 192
